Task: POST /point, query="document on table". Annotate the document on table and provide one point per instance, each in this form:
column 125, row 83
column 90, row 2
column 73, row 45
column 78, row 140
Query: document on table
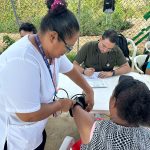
column 94, row 76
column 97, row 83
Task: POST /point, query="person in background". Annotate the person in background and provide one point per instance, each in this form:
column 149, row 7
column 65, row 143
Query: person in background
column 29, row 79
column 26, row 29
column 102, row 56
column 148, row 69
column 129, row 112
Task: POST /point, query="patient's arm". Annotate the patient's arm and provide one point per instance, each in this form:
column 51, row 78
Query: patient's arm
column 84, row 123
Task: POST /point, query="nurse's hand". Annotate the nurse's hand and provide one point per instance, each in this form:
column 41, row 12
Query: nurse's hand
column 66, row 104
column 89, row 99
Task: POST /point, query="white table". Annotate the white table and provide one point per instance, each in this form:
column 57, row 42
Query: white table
column 101, row 95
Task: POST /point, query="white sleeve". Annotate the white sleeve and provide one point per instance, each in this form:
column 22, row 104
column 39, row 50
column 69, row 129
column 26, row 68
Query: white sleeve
column 65, row 65
column 20, row 83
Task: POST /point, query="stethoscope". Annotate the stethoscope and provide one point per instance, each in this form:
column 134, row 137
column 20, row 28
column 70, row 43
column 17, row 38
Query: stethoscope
column 74, row 97
column 56, row 97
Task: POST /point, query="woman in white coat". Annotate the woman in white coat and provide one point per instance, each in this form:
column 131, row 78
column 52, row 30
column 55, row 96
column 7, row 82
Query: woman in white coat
column 29, row 77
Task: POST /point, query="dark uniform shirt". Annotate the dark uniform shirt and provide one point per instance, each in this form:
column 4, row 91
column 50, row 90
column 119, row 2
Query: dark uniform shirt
column 90, row 56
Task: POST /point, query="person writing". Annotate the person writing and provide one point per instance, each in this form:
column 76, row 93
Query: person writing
column 29, row 79
column 102, row 56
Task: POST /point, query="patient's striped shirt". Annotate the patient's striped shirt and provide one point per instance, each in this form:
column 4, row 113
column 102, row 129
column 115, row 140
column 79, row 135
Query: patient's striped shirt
column 110, row 136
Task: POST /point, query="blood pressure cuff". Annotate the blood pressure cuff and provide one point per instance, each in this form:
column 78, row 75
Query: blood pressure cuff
column 80, row 100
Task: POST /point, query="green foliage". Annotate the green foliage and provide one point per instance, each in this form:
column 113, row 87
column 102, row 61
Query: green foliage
column 71, row 56
column 7, row 19
column 27, row 11
column 93, row 21
column 31, row 11
column 8, row 41
column 90, row 14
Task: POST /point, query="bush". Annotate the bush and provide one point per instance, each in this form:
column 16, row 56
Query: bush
column 8, row 41
column 92, row 19
column 71, row 56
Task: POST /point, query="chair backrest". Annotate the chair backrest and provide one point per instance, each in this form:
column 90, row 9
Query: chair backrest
column 147, row 46
column 134, row 47
column 139, row 61
column 67, row 143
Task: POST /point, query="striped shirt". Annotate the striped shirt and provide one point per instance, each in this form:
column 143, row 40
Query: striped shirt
column 110, row 136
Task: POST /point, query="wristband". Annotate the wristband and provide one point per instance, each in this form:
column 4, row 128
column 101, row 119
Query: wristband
column 113, row 72
column 84, row 71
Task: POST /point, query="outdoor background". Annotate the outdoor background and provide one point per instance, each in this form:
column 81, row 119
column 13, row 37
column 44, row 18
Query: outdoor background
column 128, row 18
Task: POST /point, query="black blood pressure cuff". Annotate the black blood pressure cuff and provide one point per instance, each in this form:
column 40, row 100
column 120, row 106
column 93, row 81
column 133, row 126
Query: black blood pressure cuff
column 80, row 100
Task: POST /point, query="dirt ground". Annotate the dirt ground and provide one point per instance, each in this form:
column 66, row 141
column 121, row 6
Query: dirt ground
column 60, row 127
column 57, row 129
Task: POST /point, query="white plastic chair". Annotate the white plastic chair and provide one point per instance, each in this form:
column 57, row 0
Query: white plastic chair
column 139, row 61
column 67, row 143
column 147, row 46
column 134, row 47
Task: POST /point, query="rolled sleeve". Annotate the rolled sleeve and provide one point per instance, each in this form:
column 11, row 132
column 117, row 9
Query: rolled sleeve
column 65, row 65
column 82, row 54
column 20, row 83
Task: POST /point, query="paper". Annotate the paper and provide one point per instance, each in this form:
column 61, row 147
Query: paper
column 97, row 83
column 94, row 76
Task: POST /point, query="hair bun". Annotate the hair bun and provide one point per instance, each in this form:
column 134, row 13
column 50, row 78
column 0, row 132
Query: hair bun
column 56, row 6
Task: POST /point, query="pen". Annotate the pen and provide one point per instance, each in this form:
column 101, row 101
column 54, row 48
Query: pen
column 99, row 87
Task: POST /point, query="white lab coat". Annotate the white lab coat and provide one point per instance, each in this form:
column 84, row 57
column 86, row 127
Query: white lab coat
column 25, row 83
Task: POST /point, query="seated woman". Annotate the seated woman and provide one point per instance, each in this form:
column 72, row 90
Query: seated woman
column 129, row 112
column 148, row 68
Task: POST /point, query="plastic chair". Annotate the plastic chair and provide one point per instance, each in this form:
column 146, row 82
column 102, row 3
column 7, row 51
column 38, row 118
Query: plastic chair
column 76, row 146
column 67, row 143
column 134, row 51
column 139, row 61
column 147, row 46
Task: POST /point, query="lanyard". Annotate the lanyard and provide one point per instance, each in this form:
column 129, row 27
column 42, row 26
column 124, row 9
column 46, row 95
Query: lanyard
column 53, row 77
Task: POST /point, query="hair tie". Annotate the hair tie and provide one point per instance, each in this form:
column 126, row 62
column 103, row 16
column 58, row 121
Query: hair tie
column 56, row 3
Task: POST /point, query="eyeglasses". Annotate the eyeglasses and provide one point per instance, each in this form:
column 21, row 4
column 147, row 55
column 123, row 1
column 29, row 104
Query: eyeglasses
column 109, row 49
column 68, row 48
column 104, row 46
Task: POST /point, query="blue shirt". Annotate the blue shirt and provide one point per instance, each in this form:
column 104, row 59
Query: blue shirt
column 148, row 65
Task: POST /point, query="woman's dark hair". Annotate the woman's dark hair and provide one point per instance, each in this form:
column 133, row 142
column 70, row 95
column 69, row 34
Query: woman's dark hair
column 111, row 35
column 59, row 19
column 133, row 101
column 29, row 27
